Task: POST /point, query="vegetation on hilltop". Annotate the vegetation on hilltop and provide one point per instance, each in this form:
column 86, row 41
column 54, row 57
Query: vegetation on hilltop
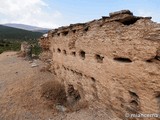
column 11, row 38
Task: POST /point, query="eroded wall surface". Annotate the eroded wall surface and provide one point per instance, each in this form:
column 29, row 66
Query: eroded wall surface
column 114, row 60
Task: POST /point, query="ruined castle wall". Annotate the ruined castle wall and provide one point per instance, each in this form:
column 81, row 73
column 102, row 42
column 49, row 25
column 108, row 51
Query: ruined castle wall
column 45, row 43
column 112, row 60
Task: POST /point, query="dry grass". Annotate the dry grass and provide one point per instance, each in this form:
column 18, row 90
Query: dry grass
column 54, row 91
column 82, row 104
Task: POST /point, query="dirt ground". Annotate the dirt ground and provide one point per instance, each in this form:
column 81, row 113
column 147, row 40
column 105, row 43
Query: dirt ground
column 20, row 97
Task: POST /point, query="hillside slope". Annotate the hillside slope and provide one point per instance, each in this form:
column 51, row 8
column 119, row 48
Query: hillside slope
column 10, row 33
column 27, row 27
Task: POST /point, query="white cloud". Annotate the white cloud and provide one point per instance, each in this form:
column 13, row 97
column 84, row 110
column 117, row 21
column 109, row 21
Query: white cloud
column 32, row 12
column 144, row 13
column 147, row 13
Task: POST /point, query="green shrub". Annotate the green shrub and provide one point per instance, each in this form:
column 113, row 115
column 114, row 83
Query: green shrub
column 6, row 46
column 36, row 50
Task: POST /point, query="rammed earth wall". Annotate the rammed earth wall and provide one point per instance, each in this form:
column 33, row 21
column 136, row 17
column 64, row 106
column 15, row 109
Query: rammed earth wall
column 113, row 60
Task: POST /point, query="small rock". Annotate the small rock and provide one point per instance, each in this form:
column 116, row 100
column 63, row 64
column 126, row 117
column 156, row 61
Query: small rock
column 61, row 108
column 34, row 65
column 30, row 61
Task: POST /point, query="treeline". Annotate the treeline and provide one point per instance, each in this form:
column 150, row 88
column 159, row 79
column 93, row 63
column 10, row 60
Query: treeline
column 7, row 45
column 9, row 33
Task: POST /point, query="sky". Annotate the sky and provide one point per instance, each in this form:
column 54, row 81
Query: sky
column 56, row 13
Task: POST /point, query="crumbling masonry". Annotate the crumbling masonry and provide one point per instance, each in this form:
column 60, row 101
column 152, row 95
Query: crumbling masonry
column 114, row 60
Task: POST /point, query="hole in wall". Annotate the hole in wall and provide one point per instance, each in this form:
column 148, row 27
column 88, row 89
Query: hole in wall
column 65, row 33
column 78, row 73
column 100, row 25
column 130, row 21
column 157, row 57
column 68, row 69
column 99, row 58
column 134, row 103
column 133, row 94
column 121, row 59
column 59, row 50
column 134, row 106
column 73, row 93
column 149, row 61
column 152, row 60
column 82, row 54
column 72, row 71
column 74, row 31
column 64, row 52
column 93, row 79
column 73, row 53
column 58, row 34
column 86, row 29
column 158, row 100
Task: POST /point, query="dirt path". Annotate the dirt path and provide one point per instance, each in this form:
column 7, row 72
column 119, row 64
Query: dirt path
column 20, row 97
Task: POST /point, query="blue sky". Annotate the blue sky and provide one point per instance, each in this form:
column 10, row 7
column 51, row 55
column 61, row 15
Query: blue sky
column 56, row 13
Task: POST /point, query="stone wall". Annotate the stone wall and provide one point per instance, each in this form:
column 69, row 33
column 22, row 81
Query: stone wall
column 26, row 51
column 44, row 42
column 113, row 60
